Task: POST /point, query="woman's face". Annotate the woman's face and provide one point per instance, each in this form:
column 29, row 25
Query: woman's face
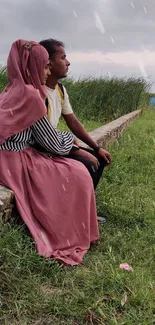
column 46, row 73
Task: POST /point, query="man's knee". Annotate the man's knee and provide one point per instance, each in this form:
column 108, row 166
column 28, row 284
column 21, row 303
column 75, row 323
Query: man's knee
column 101, row 161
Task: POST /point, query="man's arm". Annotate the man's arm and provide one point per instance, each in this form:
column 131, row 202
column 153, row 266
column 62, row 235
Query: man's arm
column 79, row 131
column 74, row 124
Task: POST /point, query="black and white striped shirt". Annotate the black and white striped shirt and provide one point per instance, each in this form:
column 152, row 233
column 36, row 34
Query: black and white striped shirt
column 44, row 134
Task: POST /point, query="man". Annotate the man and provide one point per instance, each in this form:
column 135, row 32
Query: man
column 95, row 160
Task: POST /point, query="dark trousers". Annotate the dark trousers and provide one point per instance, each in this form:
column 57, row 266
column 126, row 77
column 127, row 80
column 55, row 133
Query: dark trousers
column 95, row 173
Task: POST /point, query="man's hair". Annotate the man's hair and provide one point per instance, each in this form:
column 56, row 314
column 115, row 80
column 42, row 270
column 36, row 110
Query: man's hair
column 50, row 45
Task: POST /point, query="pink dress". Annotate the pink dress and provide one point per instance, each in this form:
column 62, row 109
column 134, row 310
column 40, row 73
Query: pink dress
column 55, row 198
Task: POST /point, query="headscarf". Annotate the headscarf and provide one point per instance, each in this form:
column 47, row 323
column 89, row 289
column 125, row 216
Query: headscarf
column 22, row 102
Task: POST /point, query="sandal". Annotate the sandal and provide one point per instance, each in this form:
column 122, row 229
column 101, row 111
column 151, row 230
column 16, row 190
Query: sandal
column 101, row 220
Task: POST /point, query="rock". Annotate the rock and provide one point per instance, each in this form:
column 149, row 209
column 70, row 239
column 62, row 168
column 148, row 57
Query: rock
column 6, row 203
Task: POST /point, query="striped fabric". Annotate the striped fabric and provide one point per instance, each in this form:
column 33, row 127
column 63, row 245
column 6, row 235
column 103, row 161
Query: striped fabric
column 42, row 133
column 18, row 141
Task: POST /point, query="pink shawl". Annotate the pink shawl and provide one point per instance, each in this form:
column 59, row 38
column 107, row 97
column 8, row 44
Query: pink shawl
column 22, row 101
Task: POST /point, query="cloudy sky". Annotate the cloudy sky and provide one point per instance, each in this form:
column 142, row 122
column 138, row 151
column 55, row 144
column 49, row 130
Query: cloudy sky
column 102, row 37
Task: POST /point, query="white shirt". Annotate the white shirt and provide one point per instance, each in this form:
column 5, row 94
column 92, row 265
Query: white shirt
column 57, row 108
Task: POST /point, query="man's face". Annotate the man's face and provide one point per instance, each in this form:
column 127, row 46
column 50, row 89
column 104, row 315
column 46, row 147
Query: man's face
column 59, row 63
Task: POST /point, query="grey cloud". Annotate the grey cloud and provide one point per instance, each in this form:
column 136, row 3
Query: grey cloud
column 73, row 21
column 37, row 19
column 97, row 69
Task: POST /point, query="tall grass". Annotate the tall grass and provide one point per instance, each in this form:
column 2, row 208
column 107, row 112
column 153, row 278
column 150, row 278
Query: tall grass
column 101, row 99
column 3, row 78
column 105, row 99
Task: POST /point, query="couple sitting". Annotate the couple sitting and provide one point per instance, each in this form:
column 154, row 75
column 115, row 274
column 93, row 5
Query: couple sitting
column 54, row 194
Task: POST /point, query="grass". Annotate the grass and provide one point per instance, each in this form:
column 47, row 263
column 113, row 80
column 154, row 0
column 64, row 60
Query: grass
column 105, row 99
column 36, row 291
column 101, row 100
column 3, row 78
column 88, row 124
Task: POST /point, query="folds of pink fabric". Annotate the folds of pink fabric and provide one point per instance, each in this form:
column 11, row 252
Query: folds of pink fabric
column 55, row 198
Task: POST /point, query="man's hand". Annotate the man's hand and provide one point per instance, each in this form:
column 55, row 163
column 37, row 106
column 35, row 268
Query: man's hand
column 88, row 155
column 106, row 155
column 76, row 142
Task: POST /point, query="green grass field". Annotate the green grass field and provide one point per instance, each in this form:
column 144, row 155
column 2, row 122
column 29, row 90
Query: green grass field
column 88, row 124
column 36, row 291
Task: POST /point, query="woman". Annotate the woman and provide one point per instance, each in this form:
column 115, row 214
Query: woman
column 54, row 196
